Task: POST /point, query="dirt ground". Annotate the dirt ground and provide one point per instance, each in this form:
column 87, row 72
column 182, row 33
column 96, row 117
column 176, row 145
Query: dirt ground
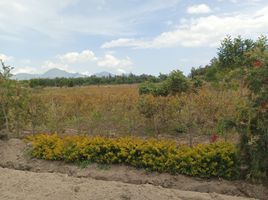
column 22, row 185
column 35, row 178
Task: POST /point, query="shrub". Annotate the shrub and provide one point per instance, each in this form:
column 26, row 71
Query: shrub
column 210, row 160
column 156, row 89
column 175, row 83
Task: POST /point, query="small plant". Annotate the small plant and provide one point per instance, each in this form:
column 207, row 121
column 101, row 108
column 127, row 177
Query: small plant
column 104, row 166
column 83, row 163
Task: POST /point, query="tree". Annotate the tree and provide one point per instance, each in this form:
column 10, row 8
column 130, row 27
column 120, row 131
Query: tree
column 177, row 82
column 173, row 84
column 5, row 73
column 5, row 92
column 13, row 101
column 233, row 52
column 253, row 124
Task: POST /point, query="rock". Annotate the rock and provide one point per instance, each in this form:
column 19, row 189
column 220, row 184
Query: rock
column 76, row 188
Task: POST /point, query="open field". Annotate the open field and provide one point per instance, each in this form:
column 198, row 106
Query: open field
column 134, row 100
column 210, row 125
column 118, row 110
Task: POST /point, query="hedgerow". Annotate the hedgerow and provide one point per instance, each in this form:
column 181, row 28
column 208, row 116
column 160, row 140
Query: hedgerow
column 204, row 160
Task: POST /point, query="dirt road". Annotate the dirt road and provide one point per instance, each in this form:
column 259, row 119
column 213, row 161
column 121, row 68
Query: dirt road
column 24, row 185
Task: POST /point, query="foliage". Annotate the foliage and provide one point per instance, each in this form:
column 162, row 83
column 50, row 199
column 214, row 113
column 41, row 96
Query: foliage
column 13, row 101
column 243, row 64
column 93, row 80
column 159, row 89
column 211, row 160
column 226, row 97
column 253, row 121
column 233, row 52
column 120, row 110
column 234, row 59
column 175, row 83
column 5, row 73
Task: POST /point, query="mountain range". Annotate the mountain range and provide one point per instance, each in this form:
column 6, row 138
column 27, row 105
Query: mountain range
column 57, row 73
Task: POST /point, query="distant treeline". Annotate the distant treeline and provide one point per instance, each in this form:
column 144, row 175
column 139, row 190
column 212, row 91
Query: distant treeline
column 94, row 80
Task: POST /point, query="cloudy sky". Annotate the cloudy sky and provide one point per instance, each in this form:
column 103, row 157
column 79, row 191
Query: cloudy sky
column 120, row 36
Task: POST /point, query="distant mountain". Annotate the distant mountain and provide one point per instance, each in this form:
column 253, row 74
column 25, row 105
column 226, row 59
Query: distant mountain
column 57, row 73
column 103, row 74
column 52, row 73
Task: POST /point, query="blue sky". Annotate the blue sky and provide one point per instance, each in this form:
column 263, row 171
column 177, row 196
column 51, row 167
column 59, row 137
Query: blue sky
column 121, row 36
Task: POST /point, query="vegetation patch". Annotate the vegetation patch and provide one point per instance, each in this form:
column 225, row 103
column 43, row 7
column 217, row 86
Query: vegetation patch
column 205, row 160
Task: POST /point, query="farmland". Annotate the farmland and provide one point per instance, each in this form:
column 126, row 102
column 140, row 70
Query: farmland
column 209, row 124
column 119, row 110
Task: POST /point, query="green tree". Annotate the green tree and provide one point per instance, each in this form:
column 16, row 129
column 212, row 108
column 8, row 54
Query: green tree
column 253, row 121
column 6, row 92
column 177, row 82
column 233, row 52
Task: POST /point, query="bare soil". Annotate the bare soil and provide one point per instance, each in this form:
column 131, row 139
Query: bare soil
column 40, row 179
column 22, row 185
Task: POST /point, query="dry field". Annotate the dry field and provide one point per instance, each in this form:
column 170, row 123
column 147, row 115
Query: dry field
column 117, row 110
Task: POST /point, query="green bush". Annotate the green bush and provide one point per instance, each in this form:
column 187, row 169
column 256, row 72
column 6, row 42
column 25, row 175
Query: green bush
column 210, row 160
column 175, row 83
column 156, row 89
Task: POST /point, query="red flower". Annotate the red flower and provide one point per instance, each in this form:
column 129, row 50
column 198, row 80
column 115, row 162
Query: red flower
column 257, row 63
column 213, row 138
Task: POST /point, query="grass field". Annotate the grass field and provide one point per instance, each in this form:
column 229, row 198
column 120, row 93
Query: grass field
column 117, row 110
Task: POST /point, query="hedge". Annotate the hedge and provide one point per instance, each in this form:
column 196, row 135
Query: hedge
column 204, row 160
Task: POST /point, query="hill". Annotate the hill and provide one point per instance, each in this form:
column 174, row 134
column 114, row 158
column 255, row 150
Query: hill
column 57, row 73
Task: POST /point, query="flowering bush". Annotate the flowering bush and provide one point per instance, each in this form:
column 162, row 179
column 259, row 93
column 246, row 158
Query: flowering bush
column 210, row 160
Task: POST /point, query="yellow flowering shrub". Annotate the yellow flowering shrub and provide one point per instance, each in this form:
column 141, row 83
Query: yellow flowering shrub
column 205, row 160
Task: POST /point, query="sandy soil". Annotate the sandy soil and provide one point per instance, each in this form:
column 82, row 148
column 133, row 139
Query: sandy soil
column 20, row 185
column 116, row 181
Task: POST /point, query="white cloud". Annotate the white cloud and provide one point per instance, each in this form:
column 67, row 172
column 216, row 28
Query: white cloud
column 76, row 57
column 68, row 60
column 5, row 58
column 198, row 9
column 49, row 64
column 53, row 20
column 111, row 61
column 25, row 69
column 82, row 60
column 124, row 42
column 121, row 66
column 20, row 65
column 61, row 20
column 202, row 31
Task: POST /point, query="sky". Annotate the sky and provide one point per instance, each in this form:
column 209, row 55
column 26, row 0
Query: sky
column 122, row 36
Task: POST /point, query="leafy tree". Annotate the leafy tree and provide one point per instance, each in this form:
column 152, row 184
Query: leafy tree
column 156, row 89
column 5, row 72
column 173, row 84
column 233, row 52
column 6, row 92
column 177, row 82
column 253, row 123
column 13, row 101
